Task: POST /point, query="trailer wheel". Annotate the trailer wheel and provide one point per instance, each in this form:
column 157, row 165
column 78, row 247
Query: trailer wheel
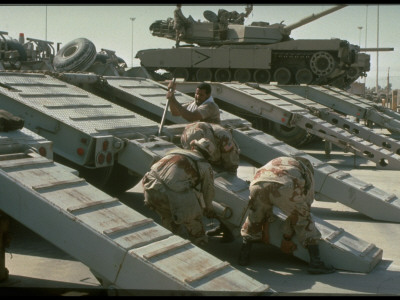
column 294, row 136
column 262, row 76
column 77, row 55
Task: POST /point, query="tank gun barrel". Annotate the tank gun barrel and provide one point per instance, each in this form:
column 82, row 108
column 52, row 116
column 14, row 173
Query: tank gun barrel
column 375, row 49
column 289, row 28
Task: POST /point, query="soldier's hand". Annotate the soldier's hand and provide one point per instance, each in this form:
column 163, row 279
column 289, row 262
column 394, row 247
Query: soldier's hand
column 209, row 213
column 171, row 86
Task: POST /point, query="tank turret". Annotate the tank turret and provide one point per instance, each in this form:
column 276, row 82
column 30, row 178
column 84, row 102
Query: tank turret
column 222, row 48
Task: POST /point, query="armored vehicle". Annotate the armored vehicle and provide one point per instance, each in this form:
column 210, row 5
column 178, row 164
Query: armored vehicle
column 261, row 52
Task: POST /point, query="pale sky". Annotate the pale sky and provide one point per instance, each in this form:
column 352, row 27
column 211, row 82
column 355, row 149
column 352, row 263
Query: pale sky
column 110, row 27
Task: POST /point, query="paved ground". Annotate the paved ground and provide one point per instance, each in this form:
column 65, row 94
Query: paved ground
column 38, row 268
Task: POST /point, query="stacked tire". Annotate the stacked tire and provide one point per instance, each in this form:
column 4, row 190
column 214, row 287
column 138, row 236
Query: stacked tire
column 77, row 55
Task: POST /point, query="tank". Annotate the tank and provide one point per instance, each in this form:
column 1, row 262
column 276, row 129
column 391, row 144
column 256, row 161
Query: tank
column 259, row 52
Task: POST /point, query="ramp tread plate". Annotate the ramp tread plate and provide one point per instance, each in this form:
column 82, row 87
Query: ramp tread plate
column 129, row 226
column 207, row 272
column 86, row 205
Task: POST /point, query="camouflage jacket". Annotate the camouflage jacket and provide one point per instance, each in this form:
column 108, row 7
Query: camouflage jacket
column 182, row 170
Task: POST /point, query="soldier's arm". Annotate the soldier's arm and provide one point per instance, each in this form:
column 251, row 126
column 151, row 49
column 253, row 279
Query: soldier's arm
column 207, row 178
column 178, row 110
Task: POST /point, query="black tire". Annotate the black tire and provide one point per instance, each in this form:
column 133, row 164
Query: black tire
column 112, row 180
column 294, row 136
column 15, row 45
column 77, row 55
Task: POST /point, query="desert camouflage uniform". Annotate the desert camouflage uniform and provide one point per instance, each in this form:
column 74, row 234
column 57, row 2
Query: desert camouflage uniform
column 227, row 151
column 208, row 110
column 179, row 187
column 288, row 184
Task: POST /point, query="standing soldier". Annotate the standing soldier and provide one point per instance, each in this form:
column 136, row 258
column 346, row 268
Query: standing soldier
column 180, row 23
column 203, row 108
column 180, row 188
column 287, row 183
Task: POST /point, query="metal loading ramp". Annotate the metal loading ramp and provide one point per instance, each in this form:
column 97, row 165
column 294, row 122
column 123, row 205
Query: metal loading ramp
column 345, row 104
column 261, row 147
column 331, row 184
column 124, row 248
column 382, row 146
column 289, row 113
column 389, row 112
column 340, row 248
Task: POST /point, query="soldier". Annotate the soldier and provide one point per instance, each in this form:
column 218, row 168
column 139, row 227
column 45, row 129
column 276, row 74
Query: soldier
column 226, row 156
column 227, row 151
column 180, row 23
column 180, row 188
column 288, row 183
column 202, row 109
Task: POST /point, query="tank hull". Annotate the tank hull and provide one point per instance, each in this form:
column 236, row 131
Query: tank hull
column 333, row 61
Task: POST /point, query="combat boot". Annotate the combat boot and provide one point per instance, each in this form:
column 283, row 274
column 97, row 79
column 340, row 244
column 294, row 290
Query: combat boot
column 227, row 235
column 244, row 256
column 317, row 266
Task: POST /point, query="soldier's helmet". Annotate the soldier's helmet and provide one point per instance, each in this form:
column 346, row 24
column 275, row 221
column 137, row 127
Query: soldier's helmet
column 205, row 146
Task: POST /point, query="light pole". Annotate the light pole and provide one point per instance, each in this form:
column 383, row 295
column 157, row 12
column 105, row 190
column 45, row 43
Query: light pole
column 132, row 19
column 359, row 43
column 359, row 40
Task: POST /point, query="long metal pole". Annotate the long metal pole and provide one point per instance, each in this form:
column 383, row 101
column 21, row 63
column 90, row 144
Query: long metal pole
column 45, row 38
column 377, row 52
column 365, row 45
column 132, row 19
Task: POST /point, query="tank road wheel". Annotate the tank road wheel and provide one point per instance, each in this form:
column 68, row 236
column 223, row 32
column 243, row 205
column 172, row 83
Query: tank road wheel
column 77, row 55
column 282, row 75
column 222, row 75
column 353, row 73
column 294, row 136
column 181, row 73
column 322, row 63
column 203, row 75
column 262, row 76
column 304, row 76
column 242, row 75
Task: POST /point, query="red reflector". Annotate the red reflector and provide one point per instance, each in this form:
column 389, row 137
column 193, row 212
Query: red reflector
column 283, row 120
column 105, row 145
column 80, row 151
column 42, row 151
column 100, row 158
column 109, row 157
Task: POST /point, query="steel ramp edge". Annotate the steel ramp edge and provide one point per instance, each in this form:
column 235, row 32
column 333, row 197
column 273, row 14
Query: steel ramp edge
column 149, row 95
column 327, row 114
column 232, row 193
column 130, row 251
column 383, row 158
column 345, row 105
column 379, row 107
column 331, row 184
column 338, row 247
column 299, row 116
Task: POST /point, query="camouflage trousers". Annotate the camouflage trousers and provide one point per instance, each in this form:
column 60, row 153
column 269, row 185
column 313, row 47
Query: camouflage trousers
column 172, row 219
column 265, row 195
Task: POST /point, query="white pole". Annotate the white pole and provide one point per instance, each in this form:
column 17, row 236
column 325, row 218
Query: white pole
column 132, row 19
column 377, row 52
